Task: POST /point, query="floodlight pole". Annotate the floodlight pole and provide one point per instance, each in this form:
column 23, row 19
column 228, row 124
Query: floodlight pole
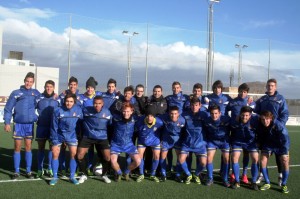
column 240, row 47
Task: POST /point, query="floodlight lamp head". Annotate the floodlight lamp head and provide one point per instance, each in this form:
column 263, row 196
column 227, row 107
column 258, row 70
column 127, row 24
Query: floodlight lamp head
column 237, row 45
column 125, row 32
column 214, row 1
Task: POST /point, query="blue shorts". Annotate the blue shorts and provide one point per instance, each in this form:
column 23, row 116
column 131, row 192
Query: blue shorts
column 42, row 133
column 277, row 151
column 169, row 144
column 129, row 149
column 23, row 131
column 243, row 146
column 154, row 147
column 151, row 141
column 216, row 144
column 201, row 151
column 69, row 138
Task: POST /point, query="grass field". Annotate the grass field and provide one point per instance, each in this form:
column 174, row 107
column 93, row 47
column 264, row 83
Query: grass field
column 94, row 188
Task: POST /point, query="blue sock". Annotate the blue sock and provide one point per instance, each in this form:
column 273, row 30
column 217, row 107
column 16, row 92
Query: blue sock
column 189, row 161
column 128, row 160
column 199, row 168
column 154, row 167
column 49, row 160
column 170, row 160
column 245, row 164
column 62, row 160
column 184, row 166
column 91, row 154
column 254, row 172
column 178, row 168
column 73, row 166
column 141, row 167
column 236, row 171
column 119, row 172
column 210, row 169
column 265, row 174
column 285, row 175
column 17, row 160
column 163, row 166
column 55, row 164
column 225, row 173
column 41, row 157
column 28, row 159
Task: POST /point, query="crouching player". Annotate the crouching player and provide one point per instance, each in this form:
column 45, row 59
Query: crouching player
column 274, row 138
column 243, row 138
column 193, row 140
column 217, row 129
column 96, row 118
column 63, row 130
column 121, row 141
column 173, row 124
column 148, row 128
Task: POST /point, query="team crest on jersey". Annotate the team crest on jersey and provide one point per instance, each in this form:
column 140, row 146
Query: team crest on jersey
column 74, row 114
column 220, row 101
column 32, row 93
column 155, row 128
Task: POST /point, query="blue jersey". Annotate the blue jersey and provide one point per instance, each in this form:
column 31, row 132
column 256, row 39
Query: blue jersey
column 149, row 135
column 178, row 100
column 235, row 106
column 61, row 97
column 45, row 108
column 194, row 136
column 21, row 106
column 64, row 122
column 123, row 131
column 171, row 131
column 95, row 123
column 110, row 98
column 187, row 105
column 276, row 104
column 86, row 101
column 221, row 100
column 244, row 134
column 218, row 130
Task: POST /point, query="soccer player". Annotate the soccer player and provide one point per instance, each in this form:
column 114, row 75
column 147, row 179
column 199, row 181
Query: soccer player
column 274, row 138
column 276, row 104
column 46, row 103
column 217, row 129
column 21, row 106
column 96, row 118
column 148, row 128
column 122, row 141
column 63, row 130
column 193, row 140
column 177, row 98
column 172, row 130
column 197, row 92
column 243, row 138
column 111, row 95
column 157, row 101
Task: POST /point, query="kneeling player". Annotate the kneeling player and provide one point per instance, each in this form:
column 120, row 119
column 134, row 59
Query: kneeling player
column 243, row 138
column 274, row 138
column 96, row 118
column 122, row 141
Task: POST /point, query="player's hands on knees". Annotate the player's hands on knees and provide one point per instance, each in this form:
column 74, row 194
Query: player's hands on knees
column 7, row 128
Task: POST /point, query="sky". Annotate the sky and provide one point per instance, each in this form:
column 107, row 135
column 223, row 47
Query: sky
column 176, row 42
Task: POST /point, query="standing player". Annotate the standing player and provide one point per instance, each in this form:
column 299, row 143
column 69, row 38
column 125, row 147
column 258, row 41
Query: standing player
column 111, row 95
column 274, row 138
column 276, row 104
column 122, row 141
column 172, row 130
column 193, row 139
column 140, row 98
column 217, row 129
column 243, row 138
column 46, row 103
column 177, row 98
column 95, row 121
column 148, row 128
column 63, row 130
column 21, row 106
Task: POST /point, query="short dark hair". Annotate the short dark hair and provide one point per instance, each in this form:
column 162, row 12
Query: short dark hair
column 29, row 75
column 244, row 87
column 50, row 82
column 139, row 86
column 246, row 109
column 176, row 83
column 97, row 97
column 272, row 80
column 73, row 79
column 70, row 95
column 214, row 107
column 112, row 81
column 195, row 100
column 217, row 84
column 129, row 88
column 157, row 86
column 173, row 108
column 197, row 86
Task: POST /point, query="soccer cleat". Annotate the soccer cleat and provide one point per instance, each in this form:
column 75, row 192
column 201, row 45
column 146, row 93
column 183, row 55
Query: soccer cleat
column 265, row 187
column 178, row 179
column 254, row 187
column 82, row 179
column 117, row 178
column 50, row 172
column 163, row 178
column 232, row 178
column 15, row 176
column 53, row 181
column 245, row 179
column 236, row 185
column 279, row 181
column 197, row 179
column 188, row 179
column 64, row 175
column 105, row 179
column 284, row 189
column 209, row 182
column 154, row 178
column 29, row 175
column 39, row 174
column 140, row 178
column 260, row 178
column 74, row 181
column 126, row 177
column 226, row 184
column 89, row 172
